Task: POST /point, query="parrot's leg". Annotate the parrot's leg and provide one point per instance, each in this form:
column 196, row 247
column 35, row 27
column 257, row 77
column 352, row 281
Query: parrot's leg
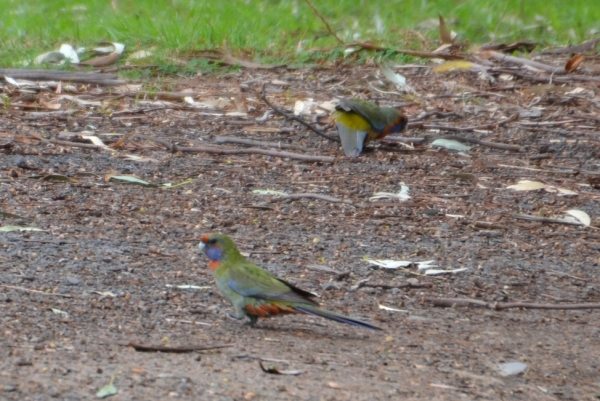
column 251, row 322
column 233, row 317
column 238, row 315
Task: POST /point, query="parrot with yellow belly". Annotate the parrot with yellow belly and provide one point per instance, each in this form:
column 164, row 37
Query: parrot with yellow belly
column 360, row 122
column 254, row 292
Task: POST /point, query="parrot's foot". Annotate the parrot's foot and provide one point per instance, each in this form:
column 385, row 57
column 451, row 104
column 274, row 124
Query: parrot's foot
column 251, row 319
column 233, row 317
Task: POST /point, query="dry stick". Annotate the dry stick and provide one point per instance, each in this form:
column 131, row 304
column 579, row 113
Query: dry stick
column 314, row 9
column 521, row 61
column 256, row 151
column 176, row 350
column 438, row 114
column 566, row 275
column 454, row 302
column 313, row 196
column 74, row 144
column 500, row 123
column 544, row 219
column 295, row 118
column 546, row 123
column 14, row 287
column 225, row 151
column 538, row 169
column 553, row 78
column 416, row 53
column 170, row 146
column 48, row 75
column 161, row 95
column 390, row 286
column 494, row 145
column 585, row 46
column 243, row 141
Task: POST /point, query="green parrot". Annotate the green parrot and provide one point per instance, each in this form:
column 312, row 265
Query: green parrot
column 254, row 292
column 360, row 122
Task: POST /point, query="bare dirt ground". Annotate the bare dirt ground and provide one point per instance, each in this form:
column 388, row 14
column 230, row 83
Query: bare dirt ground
column 105, row 272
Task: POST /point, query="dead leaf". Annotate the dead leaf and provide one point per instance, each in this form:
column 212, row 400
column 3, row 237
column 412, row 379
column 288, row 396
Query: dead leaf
column 573, row 63
column 102, row 61
column 445, row 34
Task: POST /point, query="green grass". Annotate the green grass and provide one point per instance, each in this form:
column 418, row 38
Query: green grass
column 274, row 30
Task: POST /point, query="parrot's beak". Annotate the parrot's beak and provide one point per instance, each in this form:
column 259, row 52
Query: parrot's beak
column 202, row 245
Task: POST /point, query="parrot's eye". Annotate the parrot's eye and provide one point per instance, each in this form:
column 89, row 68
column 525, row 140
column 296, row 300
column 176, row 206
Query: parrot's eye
column 212, row 241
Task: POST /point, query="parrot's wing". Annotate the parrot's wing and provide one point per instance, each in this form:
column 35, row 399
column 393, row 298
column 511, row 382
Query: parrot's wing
column 352, row 140
column 251, row 281
column 369, row 111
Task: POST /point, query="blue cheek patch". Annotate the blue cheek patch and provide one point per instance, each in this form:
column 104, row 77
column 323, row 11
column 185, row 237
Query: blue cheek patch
column 397, row 128
column 214, row 253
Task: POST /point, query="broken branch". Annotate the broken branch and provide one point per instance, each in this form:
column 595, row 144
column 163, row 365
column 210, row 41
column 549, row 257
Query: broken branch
column 457, row 302
column 225, row 151
column 313, row 196
column 263, row 96
column 174, row 350
column 244, row 141
column 391, row 286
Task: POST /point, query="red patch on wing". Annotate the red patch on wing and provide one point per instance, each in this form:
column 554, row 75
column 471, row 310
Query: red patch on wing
column 266, row 310
column 213, row 264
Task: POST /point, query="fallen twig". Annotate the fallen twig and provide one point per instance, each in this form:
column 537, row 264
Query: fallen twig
column 486, row 225
column 530, row 124
column 14, row 287
column 428, row 139
column 553, row 78
column 566, row 275
column 74, row 144
column 313, row 196
column 65, row 76
column 263, row 96
column 244, row 141
column 256, row 151
column 590, row 45
column 415, row 53
column 538, row 169
column 228, row 151
column 390, row 286
column 545, row 220
column 457, row 302
column 174, row 350
column 522, row 61
column 438, row 114
column 500, row 123
column 488, row 144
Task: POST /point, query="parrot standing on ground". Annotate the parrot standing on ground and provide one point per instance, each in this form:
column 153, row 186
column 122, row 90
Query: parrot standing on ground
column 360, row 122
column 255, row 292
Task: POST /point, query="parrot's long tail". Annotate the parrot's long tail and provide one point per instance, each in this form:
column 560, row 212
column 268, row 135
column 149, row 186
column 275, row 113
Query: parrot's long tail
column 316, row 311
